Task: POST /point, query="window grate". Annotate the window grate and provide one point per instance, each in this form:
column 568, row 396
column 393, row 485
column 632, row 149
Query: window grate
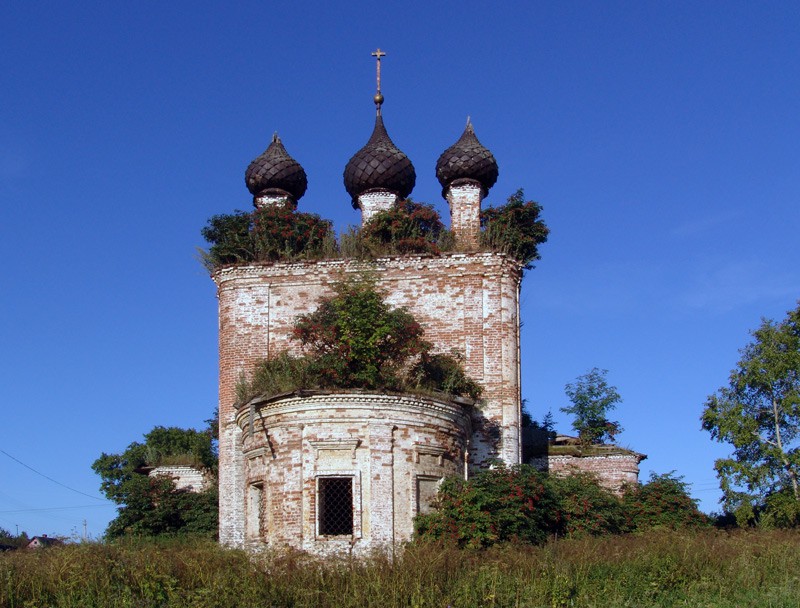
column 335, row 508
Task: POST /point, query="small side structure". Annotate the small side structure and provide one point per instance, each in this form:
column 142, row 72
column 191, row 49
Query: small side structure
column 184, row 477
column 614, row 466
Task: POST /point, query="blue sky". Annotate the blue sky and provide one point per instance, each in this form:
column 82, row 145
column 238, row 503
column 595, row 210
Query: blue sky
column 661, row 139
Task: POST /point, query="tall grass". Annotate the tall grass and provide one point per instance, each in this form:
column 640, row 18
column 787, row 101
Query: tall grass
column 710, row 569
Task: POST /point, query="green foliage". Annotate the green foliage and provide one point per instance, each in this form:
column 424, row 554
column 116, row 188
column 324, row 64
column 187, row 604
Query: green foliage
column 515, row 229
column 282, row 233
column 587, row 508
column 501, row 504
column 408, row 227
column 592, row 398
column 269, row 234
column 522, row 504
column 230, row 240
column 282, row 373
column 663, row 502
column 356, row 340
column 154, row 508
column 443, row 372
column 758, row 414
column 658, row 569
column 153, row 505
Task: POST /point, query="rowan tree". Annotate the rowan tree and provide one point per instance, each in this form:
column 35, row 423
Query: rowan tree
column 758, row 414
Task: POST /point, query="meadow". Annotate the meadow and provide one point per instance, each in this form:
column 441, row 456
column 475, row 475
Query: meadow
column 707, row 568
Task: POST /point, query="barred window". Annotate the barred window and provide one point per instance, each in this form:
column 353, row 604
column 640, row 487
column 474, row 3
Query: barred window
column 335, row 505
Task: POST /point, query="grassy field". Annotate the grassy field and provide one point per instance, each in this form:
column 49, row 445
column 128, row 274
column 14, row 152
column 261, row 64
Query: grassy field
column 706, row 569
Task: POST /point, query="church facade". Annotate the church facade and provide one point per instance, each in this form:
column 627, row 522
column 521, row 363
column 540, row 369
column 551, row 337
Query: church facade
column 333, row 471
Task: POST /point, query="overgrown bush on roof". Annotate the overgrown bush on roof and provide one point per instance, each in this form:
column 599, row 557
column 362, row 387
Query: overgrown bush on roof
column 514, row 229
column 268, row 234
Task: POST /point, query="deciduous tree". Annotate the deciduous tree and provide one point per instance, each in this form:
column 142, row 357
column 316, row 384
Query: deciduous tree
column 758, row 414
column 592, row 398
column 153, row 506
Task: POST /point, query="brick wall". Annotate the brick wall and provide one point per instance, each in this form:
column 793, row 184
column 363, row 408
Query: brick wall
column 466, row 302
column 613, row 470
column 384, row 444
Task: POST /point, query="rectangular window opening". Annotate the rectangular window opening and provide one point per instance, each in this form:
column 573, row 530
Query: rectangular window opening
column 335, row 506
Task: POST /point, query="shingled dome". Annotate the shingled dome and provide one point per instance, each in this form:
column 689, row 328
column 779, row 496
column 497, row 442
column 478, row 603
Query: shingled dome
column 467, row 159
column 379, row 165
column 276, row 170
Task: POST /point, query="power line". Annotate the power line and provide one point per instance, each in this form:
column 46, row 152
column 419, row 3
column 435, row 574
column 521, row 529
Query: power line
column 110, row 504
column 58, row 483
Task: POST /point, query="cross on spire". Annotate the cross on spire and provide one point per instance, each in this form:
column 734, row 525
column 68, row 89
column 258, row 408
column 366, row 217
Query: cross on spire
column 378, row 96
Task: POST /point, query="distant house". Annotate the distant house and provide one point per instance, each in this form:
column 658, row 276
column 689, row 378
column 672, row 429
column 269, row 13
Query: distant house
column 40, row 542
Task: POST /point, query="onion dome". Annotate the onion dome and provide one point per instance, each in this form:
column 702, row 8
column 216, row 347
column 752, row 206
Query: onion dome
column 379, row 165
column 275, row 171
column 467, row 159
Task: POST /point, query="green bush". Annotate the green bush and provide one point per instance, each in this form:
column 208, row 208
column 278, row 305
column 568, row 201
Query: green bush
column 229, row 238
column 587, row 508
column 269, row 234
column 444, row 372
column 515, row 229
column 282, row 233
column 502, row 504
column 662, row 502
column 408, row 227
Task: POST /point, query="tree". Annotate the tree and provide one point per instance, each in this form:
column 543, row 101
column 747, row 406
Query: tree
column 592, row 398
column 151, row 506
column 758, row 414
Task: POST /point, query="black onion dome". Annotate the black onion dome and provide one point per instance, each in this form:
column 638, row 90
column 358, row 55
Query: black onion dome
column 379, row 165
column 275, row 169
column 467, row 159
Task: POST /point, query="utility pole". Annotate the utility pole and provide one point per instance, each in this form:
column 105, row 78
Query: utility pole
column 84, row 530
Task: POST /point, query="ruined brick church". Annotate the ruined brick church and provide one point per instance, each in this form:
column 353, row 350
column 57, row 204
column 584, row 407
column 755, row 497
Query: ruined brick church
column 327, row 471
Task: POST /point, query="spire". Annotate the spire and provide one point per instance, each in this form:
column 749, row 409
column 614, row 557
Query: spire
column 378, row 95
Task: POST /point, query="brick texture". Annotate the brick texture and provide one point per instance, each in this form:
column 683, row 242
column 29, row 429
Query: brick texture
column 467, row 302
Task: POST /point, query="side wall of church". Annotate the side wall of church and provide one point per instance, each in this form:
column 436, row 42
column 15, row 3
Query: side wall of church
column 465, row 302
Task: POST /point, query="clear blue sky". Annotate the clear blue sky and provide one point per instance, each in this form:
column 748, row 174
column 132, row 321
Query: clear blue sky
column 661, row 139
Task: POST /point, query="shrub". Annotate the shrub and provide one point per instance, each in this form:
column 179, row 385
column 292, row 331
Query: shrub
column 663, row 501
column 230, row 239
column 408, row 227
column 502, row 504
column 356, row 340
column 282, row 233
column 515, row 229
column 445, row 373
column 269, row 234
column 587, row 508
